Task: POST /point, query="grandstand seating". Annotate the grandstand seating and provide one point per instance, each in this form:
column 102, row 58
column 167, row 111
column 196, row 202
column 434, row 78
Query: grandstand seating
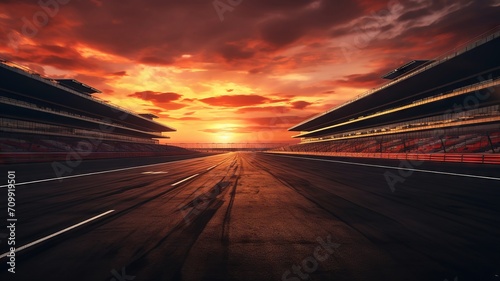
column 468, row 143
column 42, row 119
column 442, row 110
column 30, row 148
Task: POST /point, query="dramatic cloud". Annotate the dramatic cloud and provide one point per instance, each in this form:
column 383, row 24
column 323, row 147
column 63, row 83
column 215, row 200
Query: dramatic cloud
column 269, row 109
column 235, row 100
column 163, row 100
column 365, row 80
column 195, row 69
column 273, row 121
column 231, row 52
column 300, row 104
column 156, row 97
column 244, row 130
column 119, row 73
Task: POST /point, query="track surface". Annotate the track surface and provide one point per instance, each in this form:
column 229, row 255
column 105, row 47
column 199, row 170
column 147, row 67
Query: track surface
column 255, row 216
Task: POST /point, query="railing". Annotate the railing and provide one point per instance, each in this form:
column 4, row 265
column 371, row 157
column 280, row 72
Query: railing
column 72, row 115
column 440, row 157
column 34, row 106
column 493, row 116
column 33, row 157
column 454, row 93
column 232, row 146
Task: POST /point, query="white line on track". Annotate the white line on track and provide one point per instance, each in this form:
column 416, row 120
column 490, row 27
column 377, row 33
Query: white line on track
column 186, row 179
column 57, row 233
column 212, row 167
column 390, row 167
column 100, row 172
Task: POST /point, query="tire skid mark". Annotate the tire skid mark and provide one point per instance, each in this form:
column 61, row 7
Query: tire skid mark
column 115, row 215
column 201, row 200
column 396, row 200
column 185, row 232
column 287, row 181
column 218, row 264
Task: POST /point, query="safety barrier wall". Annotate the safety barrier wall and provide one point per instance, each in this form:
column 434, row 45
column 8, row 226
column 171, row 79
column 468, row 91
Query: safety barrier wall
column 31, row 157
column 440, row 157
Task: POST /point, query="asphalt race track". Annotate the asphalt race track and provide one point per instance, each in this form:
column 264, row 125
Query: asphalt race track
column 254, row 216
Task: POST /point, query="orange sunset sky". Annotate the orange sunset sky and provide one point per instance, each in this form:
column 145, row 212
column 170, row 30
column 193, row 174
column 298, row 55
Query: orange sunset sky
column 233, row 70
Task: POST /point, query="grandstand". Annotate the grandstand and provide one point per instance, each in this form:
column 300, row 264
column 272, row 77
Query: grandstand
column 449, row 105
column 42, row 119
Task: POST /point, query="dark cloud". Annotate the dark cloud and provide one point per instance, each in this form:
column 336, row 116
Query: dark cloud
column 62, row 57
column 262, row 38
column 152, row 60
column 363, row 80
column 231, row 52
column 119, row 73
column 300, row 104
column 256, row 70
column 159, row 32
column 271, row 109
column 236, row 100
column 278, row 32
column 273, row 121
column 156, row 96
column 164, row 100
column 155, row 111
column 245, row 130
column 185, row 118
column 312, row 21
column 460, row 21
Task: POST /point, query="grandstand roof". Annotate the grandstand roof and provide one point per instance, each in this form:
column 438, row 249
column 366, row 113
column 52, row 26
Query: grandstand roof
column 78, row 86
column 461, row 67
column 148, row 115
column 412, row 65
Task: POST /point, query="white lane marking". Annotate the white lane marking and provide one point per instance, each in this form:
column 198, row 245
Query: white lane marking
column 394, row 168
column 217, row 164
column 186, row 179
column 102, row 172
column 153, row 173
column 57, row 233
